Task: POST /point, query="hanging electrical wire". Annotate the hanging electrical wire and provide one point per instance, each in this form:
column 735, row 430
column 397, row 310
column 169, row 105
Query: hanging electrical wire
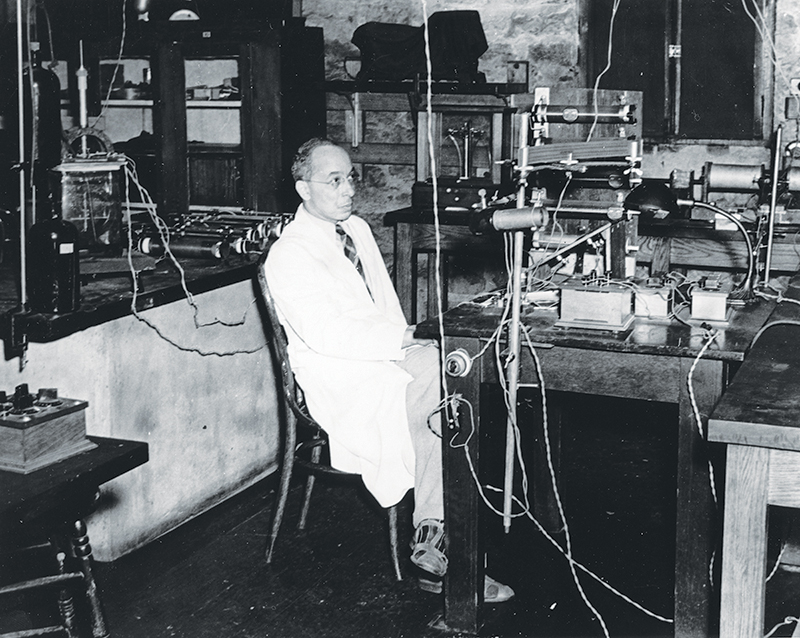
column 606, row 69
column 117, row 64
column 164, row 233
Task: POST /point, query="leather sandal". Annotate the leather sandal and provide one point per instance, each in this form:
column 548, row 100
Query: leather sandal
column 427, row 546
column 493, row 592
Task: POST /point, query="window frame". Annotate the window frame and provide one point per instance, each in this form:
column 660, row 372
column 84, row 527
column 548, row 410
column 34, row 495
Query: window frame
column 763, row 76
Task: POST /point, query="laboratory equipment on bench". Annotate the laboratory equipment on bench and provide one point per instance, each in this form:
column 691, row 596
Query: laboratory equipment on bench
column 212, row 234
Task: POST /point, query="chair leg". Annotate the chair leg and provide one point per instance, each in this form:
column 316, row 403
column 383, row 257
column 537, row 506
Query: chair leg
column 283, row 489
column 393, row 542
column 316, row 453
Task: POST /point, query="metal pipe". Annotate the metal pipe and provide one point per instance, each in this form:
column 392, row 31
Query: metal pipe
column 513, row 339
column 466, row 170
column 83, row 112
column 773, row 203
column 22, row 186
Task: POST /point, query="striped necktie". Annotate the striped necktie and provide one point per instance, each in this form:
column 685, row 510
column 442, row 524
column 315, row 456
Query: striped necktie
column 350, row 251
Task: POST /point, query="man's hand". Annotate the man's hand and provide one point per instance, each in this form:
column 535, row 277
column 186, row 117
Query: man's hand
column 410, row 340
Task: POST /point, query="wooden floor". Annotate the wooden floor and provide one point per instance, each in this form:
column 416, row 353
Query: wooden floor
column 208, row 578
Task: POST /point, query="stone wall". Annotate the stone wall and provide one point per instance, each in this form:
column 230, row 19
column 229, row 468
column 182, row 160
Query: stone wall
column 543, row 31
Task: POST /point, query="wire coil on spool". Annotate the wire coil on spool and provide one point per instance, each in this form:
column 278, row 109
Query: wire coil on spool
column 732, row 177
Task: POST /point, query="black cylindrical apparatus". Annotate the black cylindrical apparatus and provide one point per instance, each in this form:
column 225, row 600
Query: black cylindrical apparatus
column 192, row 247
column 53, row 266
column 42, row 102
column 493, row 219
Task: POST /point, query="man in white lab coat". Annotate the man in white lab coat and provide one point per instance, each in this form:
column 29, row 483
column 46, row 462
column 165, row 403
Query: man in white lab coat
column 370, row 383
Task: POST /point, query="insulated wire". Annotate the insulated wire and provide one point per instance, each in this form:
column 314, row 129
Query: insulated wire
column 525, row 505
column 777, row 562
column 21, row 141
column 53, row 62
column 163, row 231
column 596, row 89
column 786, row 621
column 554, row 225
column 562, row 515
column 435, row 184
column 458, row 149
column 515, row 428
column 117, row 64
column 30, row 26
column 696, row 410
column 764, row 30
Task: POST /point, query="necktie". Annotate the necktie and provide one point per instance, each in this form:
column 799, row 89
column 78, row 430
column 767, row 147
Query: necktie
column 350, row 251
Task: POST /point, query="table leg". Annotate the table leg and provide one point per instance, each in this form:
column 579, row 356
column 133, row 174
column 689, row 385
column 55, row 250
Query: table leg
column 695, row 506
column 545, row 507
column 744, row 541
column 79, row 538
column 463, row 596
column 404, row 270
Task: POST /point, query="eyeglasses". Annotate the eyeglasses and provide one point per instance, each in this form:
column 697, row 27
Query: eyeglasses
column 338, row 181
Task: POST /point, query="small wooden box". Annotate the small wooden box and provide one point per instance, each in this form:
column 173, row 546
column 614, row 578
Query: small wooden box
column 709, row 305
column 607, row 307
column 653, row 303
column 43, row 434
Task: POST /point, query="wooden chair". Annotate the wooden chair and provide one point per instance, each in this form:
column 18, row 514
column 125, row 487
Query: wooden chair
column 306, row 453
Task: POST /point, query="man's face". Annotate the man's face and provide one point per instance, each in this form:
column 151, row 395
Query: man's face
column 328, row 193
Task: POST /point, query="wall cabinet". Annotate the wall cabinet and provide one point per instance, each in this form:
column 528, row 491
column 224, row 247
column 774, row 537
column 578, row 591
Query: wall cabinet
column 259, row 117
column 229, row 107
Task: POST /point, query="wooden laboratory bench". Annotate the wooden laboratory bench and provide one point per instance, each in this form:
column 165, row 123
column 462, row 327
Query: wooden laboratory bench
column 758, row 419
column 107, row 292
column 652, row 361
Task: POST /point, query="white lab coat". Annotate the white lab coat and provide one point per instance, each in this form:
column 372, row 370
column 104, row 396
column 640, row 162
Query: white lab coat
column 341, row 348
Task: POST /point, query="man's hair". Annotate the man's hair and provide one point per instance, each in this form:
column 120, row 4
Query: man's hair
column 301, row 165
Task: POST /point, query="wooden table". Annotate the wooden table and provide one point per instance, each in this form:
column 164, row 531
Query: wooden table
column 62, row 494
column 759, row 420
column 652, row 363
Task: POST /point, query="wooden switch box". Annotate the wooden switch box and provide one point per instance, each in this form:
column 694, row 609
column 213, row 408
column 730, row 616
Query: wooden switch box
column 44, row 432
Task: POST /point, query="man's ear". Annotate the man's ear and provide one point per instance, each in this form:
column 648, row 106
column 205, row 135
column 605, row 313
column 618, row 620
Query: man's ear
column 302, row 189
